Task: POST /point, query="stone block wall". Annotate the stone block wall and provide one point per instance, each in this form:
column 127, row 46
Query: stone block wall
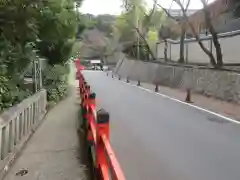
column 223, row 85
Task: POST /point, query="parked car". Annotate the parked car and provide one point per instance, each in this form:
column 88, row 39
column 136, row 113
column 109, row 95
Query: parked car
column 96, row 68
column 105, row 68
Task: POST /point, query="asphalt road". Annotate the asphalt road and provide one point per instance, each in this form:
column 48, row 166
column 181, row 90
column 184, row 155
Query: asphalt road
column 156, row 138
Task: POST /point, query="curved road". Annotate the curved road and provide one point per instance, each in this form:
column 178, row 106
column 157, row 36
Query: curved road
column 156, row 138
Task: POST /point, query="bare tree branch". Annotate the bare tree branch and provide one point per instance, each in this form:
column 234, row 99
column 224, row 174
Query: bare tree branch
column 187, row 6
column 209, row 53
column 166, row 11
column 143, row 38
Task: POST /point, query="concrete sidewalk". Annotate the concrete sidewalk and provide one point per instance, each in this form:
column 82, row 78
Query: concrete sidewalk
column 53, row 152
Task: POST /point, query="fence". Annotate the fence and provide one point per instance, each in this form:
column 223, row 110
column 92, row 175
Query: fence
column 17, row 124
column 96, row 126
column 194, row 54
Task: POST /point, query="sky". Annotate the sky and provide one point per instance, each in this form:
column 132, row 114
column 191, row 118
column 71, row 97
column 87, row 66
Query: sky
column 97, row 7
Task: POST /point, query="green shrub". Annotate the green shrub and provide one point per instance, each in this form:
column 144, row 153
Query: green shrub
column 55, row 81
column 11, row 93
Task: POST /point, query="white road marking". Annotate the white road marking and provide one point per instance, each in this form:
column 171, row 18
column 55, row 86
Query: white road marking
column 179, row 101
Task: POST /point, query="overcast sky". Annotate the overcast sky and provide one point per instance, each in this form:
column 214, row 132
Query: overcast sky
column 114, row 6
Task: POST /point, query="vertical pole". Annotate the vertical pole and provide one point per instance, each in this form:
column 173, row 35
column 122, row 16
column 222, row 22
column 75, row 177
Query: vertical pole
column 40, row 73
column 138, row 83
column 127, row 79
column 156, row 87
column 90, row 116
column 170, row 51
column 137, row 40
column 186, row 52
column 102, row 129
column 34, row 75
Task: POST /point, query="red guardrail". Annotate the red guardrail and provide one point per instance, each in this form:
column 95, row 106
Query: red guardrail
column 96, row 125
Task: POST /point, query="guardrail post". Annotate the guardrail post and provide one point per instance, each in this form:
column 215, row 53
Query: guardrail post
column 84, row 112
column 90, row 101
column 101, row 129
column 188, row 96
column 83, row 90
column 87, row 89
column 156, row 88
column 138, row 83
column 128, row 79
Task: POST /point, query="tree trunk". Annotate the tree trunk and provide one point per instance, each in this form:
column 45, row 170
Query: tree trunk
column 165, row 50
column 149, row 51
column 209, row 53
column 146, row 43
column 218, row 51
column 196, row 35
column 181, row 55
column 215, row 40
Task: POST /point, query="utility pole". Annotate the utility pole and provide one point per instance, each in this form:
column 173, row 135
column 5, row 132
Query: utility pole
column 34, row 75
column 137, row 25
column 40, row 73
column 137, row 40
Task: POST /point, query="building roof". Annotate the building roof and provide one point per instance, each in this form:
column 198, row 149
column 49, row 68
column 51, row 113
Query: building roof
column 179, row 13
column 95, row 61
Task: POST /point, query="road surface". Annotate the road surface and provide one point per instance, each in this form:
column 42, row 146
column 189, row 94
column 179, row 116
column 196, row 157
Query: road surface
column 156, row 138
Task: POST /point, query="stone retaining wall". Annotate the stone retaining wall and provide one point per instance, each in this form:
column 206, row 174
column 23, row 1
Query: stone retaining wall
column 219, row 84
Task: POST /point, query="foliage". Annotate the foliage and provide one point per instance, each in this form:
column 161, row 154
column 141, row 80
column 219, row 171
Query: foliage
column 235, row 7
column 123, row 31
column 57, row 24
column 15, row 58
column 33, row 29
column 102, row 22
column 18, row 24
column 11, row 93
column 76, row 47
column 55, row 82
column 139, row 26
column 152, row 38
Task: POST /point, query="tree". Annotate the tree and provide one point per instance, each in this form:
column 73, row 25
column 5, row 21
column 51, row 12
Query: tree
column 29, row 30
column 183, row 30
column 18, row 35
column 139, row 22
column 101, row 22
column 218, row 62
column 104, row 23
column 235, row 8
column 57, row 25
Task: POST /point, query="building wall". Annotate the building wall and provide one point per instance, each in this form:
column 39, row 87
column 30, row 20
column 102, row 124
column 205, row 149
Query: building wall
column 217, row 11
column 229, row 42
column 228, row 25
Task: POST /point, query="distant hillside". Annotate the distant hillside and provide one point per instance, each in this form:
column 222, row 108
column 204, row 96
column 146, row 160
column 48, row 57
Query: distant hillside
column 102, row 22
column 96, row 38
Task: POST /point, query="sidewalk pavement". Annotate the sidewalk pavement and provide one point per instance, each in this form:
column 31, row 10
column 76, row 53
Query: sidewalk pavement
column 227, row 109
column 53, row 152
